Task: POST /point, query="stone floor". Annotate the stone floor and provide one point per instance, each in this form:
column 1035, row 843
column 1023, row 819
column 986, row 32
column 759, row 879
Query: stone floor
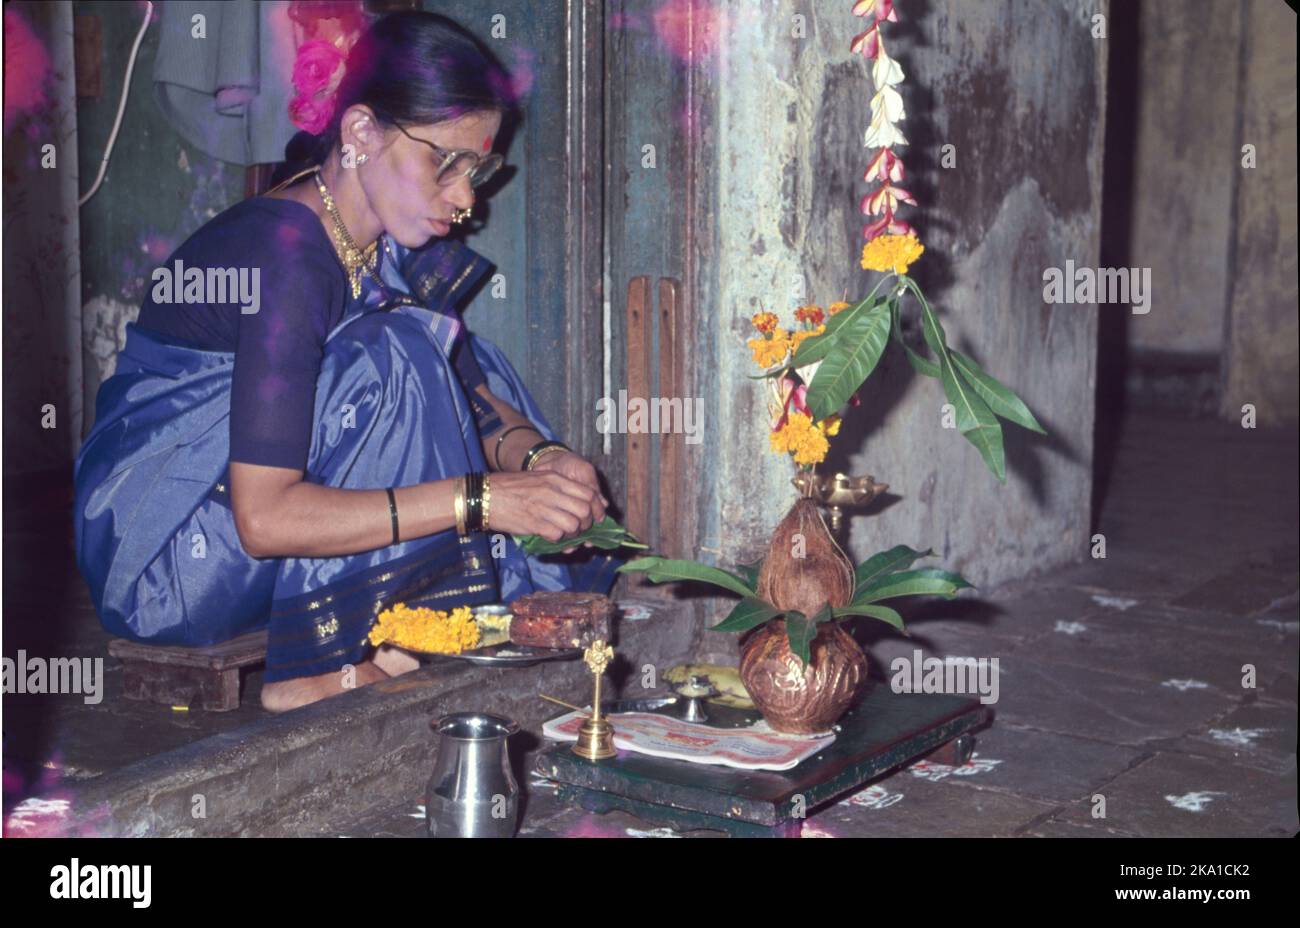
column 1157, row 685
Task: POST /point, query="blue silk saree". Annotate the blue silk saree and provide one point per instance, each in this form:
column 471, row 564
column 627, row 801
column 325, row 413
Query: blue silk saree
column 155, row 535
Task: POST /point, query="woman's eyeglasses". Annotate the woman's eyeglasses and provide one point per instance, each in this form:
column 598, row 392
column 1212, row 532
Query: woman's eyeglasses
column 461, row 162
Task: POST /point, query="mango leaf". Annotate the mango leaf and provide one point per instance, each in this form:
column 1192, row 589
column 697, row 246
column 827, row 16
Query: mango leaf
column 919, row 364
column 664, row 570
column 1000, row 399
column 605, row 534
column 928, row 581
column 974, row 419
column 748, row 613
column 884, row 613
column 858, row 346
column 899, row 557
column 816, row 348
column 749, row 572
column 800, row 631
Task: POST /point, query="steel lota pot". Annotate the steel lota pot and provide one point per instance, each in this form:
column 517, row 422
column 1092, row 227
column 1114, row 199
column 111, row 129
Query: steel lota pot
column 472, row 793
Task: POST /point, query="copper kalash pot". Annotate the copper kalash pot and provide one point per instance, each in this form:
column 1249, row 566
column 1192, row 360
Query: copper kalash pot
column 804, row 570
column 797, row 699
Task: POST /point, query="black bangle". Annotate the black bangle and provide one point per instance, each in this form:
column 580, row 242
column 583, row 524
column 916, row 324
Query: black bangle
column 496, row 454
column 474, row 501
column 392, row 511
column 538, row 448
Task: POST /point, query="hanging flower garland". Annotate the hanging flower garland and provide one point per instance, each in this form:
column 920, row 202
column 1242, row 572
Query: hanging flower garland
column 886, row 167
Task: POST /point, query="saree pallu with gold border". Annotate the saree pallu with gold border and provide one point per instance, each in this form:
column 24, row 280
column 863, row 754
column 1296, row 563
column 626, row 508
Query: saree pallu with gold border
column 156, row 538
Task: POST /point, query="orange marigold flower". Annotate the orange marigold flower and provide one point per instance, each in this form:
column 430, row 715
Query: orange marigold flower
column 809, row 314
column 797, row 338
column 764, row 322
column 891, row 253
column 830, row 426
column 838, row 307
column 800, row 438
column 770, row 351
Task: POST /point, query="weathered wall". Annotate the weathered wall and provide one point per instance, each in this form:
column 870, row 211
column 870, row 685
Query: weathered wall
column 1218, row 234
column 1185, row 163
column 1019, row 89
column 1261, row 363
column 43, row 407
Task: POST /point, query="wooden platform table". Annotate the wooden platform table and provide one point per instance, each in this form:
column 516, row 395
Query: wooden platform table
column 883, row 731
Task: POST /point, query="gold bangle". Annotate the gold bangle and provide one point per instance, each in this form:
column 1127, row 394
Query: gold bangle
column 458, row 503
column 487, row 498
column 543, row 453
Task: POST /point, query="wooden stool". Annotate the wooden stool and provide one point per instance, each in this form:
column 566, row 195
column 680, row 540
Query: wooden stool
column 177, row 676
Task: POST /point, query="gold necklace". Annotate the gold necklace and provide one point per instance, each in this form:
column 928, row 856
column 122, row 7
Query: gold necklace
column 356, row 261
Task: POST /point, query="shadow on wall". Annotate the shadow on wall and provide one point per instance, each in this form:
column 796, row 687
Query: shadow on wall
column 1123, row 69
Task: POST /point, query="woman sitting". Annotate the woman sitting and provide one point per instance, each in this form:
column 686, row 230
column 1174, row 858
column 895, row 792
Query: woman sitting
column 346, row 444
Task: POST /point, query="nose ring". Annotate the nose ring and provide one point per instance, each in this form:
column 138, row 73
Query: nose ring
column 461, row 215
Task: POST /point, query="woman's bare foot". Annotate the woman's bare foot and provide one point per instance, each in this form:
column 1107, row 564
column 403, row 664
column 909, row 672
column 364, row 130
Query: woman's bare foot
column 301, row 691
column 395, row 661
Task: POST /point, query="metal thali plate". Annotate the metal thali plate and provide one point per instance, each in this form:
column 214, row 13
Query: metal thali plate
column 497, row 650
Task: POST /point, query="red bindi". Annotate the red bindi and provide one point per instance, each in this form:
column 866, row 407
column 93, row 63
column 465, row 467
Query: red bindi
column 487, row 142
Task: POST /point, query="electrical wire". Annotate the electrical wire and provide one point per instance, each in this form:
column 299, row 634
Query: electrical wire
column 121, row 105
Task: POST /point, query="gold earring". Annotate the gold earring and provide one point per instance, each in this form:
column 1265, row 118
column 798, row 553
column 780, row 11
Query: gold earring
column 362, row 158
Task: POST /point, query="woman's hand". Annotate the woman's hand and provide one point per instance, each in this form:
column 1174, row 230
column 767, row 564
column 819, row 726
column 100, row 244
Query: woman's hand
column 574, row 466
column 543, row 502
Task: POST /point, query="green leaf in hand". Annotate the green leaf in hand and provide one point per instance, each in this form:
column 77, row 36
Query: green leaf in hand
column 606, row 534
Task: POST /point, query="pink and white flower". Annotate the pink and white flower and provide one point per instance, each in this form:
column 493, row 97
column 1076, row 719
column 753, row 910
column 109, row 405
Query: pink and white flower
column 883, row 132
column 886, row 167
column 879, row 9
column 886, row 198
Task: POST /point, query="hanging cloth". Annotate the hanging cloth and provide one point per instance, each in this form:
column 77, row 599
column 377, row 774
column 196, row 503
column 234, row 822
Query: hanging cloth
column 222, row 76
